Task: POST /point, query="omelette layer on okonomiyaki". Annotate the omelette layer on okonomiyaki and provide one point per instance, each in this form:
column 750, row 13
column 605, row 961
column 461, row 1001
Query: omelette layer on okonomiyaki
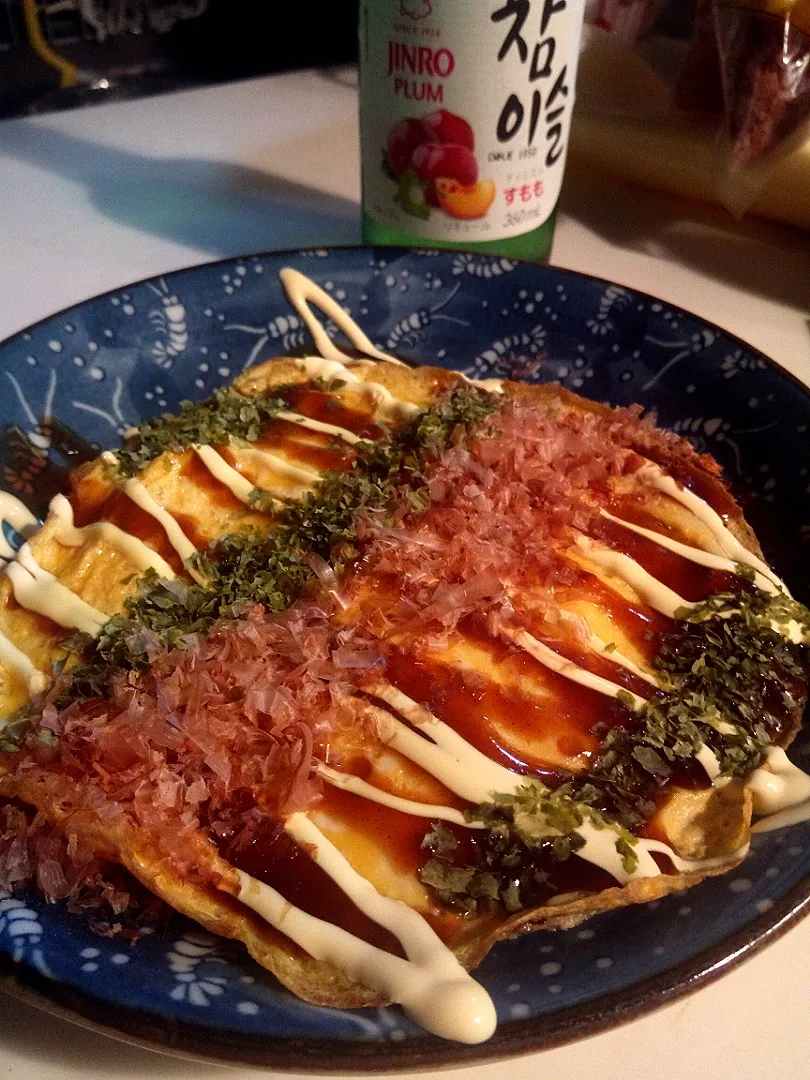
column 369, row 667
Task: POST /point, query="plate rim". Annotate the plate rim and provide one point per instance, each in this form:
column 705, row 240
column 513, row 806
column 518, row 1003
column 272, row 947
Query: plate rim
column 396, row 249
column 512, row 1039
column 515, row 1038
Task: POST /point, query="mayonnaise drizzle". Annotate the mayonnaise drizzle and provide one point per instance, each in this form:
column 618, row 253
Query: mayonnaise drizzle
column 692, row 865
column 430, row 984
column 693, row 554
column 17, row 661
column 134, row 549
column 38, row 590
column 385, row 404
column 472, row 775
column 603, row 648
column 19, row 518
column 708, row 759
column 728, row 542
column 567, row 668
column 652, row 591
column 599, row 849
column 225, row 473
column 792, row 631
column 348, row 782
column 776, row 786
column 464, row 770
column 297, row 474
column 663, row 599
column 301, row 292
column 140, row 495
column 319, row 425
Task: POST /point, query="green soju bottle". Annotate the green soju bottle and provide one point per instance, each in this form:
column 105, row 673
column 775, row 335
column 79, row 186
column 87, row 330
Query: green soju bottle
column 465, row 107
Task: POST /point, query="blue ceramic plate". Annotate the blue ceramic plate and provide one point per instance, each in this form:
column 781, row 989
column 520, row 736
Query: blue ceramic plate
column 107, row 363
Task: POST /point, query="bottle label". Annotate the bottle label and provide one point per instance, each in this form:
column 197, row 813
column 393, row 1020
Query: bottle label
column 465, row 108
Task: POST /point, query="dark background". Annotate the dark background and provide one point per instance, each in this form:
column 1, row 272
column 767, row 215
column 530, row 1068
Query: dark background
column 231, row 39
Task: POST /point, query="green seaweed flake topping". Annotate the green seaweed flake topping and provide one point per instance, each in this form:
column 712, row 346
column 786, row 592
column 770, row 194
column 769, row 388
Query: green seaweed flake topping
column 226, row 415
column 14, row 728
column 729, row 675
column 526, row 834
column 729, row 678
column 272, row 568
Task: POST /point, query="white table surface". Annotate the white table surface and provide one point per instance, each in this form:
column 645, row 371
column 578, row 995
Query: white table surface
column 93, row 199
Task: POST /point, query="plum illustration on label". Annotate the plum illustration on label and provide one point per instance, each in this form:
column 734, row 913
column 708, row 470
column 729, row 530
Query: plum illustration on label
column 466, row 104
column 432, row 159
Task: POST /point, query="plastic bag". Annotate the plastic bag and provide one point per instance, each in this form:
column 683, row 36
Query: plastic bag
column 738, row 69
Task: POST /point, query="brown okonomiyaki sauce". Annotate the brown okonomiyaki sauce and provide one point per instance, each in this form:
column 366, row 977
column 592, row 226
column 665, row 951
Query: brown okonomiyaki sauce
column 40, row 623
column 481, row 711
column 641, row 625
column 689, row 579
column 317, row 450
column 318, row 405
column 705, row 483
column 121, row 511
column 549, row 876
column 774, row 523
column 267, row 853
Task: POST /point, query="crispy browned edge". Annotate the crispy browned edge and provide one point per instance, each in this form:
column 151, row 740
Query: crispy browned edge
column 725, row 814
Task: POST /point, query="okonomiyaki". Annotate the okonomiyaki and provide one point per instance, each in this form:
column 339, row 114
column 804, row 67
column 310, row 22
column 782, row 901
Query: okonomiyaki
column 370, row 666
